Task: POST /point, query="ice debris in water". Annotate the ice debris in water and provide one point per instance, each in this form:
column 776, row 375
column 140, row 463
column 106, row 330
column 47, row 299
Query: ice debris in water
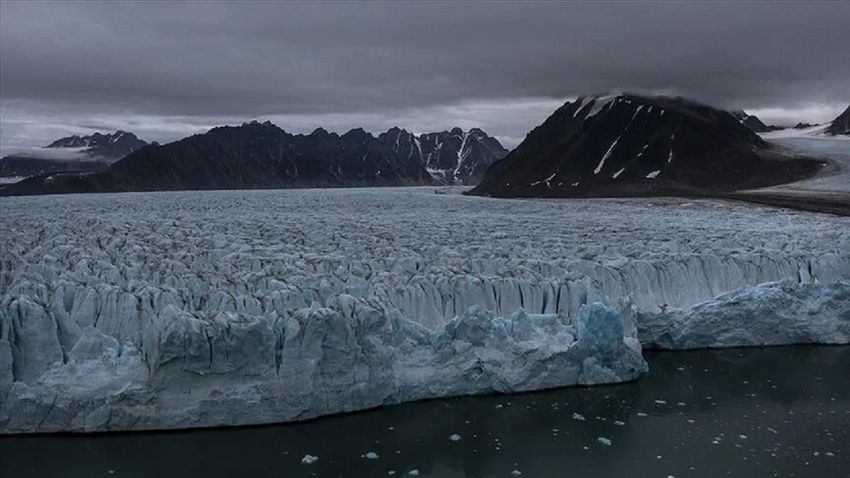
column 413, row 472
column 516, row 472
column 309, row 459
column 371, row 455
column 578, row 416
column 454, row 437
column 604, row 441
column 619, row 422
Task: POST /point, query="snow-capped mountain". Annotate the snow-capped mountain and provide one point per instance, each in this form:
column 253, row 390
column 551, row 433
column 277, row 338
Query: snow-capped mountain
column 458, row 156
column 627, row 144
column 450, row 157
column 72, row 154
column 110, row 146
column 753, row 122
column 262, row 155
column 841, row 124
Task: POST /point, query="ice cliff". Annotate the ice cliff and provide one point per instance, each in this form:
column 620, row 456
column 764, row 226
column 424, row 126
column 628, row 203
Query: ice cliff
column 780, row 313
column 236, row 369
column 177, row 310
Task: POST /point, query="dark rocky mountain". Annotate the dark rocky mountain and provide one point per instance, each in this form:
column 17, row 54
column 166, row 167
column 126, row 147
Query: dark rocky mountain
column 629, row 145
column 841, row 124
column 753, row 122
column 261, row 155
column 72, row 154
column 458, row 157
column 802, row 125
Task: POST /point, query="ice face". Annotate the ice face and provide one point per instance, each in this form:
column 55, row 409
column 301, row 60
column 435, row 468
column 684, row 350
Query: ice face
column 769, row 314
column 170, row 310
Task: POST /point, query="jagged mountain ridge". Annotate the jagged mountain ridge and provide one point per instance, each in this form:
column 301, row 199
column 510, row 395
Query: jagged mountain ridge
column 753, row 122
column 626, row 145
column 841, row 124
column 110, row 146
column 88, row 154
column 262, row 155
column 460, row 157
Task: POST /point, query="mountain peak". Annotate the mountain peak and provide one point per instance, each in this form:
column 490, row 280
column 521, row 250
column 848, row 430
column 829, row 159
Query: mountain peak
column 841, row 124
column 73, row 153
column 635, row 144
column 357, row 134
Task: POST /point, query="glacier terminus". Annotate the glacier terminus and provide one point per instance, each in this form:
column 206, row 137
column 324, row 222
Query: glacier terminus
column 198, row 309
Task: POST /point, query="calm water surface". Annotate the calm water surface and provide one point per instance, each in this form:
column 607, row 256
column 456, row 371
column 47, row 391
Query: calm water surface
column 744, row 412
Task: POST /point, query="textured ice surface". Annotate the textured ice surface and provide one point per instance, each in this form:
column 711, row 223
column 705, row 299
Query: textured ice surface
column 171, row 310
column 769, row 314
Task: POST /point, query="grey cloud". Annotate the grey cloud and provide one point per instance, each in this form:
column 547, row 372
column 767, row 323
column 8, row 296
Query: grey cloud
column 303, row 61
column 50, row 153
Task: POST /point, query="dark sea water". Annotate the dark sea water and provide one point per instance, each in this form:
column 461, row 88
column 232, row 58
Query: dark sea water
column 781, row 411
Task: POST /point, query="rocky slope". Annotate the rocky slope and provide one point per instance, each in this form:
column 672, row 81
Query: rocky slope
column 72, row 154
column 458, row 157
column 176, row 310
column 753, row 122
column 841, row 124
column 262, row 156
column 628, row 145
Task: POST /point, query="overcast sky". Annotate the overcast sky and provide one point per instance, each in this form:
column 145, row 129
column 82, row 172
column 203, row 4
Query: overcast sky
column 165, row 70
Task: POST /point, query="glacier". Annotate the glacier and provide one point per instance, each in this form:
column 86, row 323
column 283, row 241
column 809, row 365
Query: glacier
column 195, row 309
column 779, row 313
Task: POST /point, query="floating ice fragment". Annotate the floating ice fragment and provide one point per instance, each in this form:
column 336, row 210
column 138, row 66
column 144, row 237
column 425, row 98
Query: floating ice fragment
column 619, row 422
column 516, row 472
column 309, row 459
column 371, row 455
column 604, row 441
column 413, row 472
column 661, row 402
column 579, row 417
column 454, row 437
column 641, row 414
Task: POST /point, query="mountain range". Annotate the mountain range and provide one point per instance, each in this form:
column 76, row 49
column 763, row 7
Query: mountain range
column 630, row 145
column 72, row 154
column 261, row 155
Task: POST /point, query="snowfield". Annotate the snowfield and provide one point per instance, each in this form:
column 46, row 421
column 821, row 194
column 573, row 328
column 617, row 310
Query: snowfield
column 177, row 310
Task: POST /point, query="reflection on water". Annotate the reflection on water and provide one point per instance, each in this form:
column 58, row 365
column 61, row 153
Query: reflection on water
column 743, row 412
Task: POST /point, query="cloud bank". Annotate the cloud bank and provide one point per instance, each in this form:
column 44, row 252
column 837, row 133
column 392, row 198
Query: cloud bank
column 175, row 68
